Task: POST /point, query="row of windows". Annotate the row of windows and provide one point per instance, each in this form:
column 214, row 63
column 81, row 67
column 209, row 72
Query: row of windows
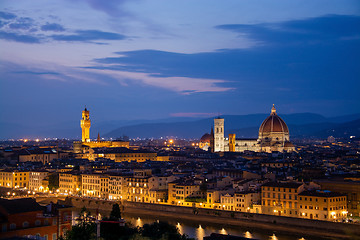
column 284, row 196
column 278, row 189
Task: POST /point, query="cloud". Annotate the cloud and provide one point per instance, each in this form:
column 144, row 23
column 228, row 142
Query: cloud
column 88, row 35
column 113, row 8
column 318, row 65
column 22, row 23
column 52, row 27
column 183, row 85
column 306, row 31
column 7, row 15
column 9, row 36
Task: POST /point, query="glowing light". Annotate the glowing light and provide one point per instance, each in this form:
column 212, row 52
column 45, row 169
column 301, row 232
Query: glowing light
column 303, row 214
column 8, row 193
column 200, row 232
column 248, row 234
column 333, row 213
column 13, row 194
column 223, row 231
column 273, row 237
column 37, row 140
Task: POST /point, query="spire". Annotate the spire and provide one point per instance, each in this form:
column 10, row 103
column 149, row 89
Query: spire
column 273, row 110
column 98, row 138
column 85, row 108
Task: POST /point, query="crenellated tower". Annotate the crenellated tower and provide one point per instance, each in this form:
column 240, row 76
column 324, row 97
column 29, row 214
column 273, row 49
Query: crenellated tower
column 85, row 125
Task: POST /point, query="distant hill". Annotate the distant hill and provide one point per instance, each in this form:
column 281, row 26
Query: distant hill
column 300, row 125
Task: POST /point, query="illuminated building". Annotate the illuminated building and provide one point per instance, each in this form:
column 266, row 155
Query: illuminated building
column 35, row 179
column 14, row 179
column 91, row 184
column 281, row 198
column 322, row 205
column 85, row 144
column 116, row 187
column 245, row 200
column 120, row 154
column 138, row 189
column 181, row 191
column 273, row 136
column 70, row 183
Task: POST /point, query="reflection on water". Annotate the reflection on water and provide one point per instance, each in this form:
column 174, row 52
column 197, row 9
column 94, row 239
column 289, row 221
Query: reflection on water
column 200, row 233
column 138, row 222
column 180, row 228
column 198, row 230
column 223, row 231
column 273, row 237
column 247, row 234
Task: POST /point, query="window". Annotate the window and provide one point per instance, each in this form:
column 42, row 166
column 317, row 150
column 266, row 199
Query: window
column 25, row 224
column 37, row 223
column 54, row 236
column 12, row 226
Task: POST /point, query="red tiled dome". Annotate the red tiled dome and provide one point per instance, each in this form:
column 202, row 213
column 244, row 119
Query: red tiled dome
column 205, row 138
column 273, row 123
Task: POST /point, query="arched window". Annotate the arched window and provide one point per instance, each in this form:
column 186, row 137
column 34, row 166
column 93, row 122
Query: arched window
column 37, row 223
column 25, row 224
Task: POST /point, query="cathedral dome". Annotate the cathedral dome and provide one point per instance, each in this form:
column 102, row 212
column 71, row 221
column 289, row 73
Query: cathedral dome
column 205, row 138
column 273, row 124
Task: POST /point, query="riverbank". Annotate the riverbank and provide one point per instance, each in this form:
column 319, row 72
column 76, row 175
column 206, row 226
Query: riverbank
column 249, row 220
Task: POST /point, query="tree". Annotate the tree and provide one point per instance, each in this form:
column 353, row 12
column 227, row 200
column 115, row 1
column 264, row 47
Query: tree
column 84, row 230
column 115, row 214
column 53, row 181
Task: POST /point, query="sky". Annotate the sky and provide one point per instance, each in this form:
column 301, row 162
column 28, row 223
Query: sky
column 153, row 59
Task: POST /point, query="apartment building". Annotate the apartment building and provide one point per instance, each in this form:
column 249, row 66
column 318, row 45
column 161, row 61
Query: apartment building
column 35, row 180
column 281, row 198
column 70, row 183
column 322, row 205
column 14, row 179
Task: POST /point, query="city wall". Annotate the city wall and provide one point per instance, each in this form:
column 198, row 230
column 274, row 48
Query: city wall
column 242, row 219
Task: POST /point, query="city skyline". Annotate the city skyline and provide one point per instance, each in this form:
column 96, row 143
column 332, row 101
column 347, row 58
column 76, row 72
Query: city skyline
column 156, row 59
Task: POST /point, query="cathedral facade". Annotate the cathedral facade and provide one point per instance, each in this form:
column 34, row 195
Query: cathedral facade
column 273, row 136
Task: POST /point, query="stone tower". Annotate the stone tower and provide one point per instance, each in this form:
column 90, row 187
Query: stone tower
column 85, row 125
column 219, row 135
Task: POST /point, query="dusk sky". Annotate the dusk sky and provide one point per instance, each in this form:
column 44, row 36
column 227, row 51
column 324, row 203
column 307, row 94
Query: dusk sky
column 152, row 59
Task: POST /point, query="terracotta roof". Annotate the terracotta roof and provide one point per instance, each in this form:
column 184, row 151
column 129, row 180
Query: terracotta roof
column 321, row 193
column 283, row 184
column 20, row 205
column 273, row 123
column 205, row 138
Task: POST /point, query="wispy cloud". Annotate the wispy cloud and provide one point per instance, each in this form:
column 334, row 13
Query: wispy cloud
column 88, row 35
column 114, row 8
column 9, row 36
column 27, row 30
column 52, row 27
column 7, row 15
column 306, row 31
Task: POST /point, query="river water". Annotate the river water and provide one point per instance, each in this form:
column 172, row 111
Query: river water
column 198, row 230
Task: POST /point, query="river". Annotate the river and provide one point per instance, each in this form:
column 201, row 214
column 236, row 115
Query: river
column 198, row 230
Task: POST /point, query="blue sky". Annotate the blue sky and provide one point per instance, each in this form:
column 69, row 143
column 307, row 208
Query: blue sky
column 151, row 59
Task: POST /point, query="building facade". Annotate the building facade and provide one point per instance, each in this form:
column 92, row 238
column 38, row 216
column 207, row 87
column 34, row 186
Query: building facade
column 273, row 136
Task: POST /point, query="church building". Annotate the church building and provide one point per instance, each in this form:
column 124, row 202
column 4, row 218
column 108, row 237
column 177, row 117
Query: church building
column 273, row 136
